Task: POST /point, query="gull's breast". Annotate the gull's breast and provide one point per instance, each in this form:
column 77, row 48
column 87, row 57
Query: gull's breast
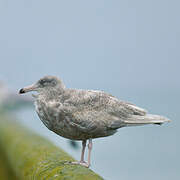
column 42, row 113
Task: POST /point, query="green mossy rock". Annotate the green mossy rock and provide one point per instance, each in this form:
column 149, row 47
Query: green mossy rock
column 32, row 157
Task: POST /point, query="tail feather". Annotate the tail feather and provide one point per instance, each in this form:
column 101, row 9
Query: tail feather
column 147, row 119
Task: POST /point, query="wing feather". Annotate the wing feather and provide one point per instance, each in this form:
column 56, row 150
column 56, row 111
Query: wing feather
column 92, row 109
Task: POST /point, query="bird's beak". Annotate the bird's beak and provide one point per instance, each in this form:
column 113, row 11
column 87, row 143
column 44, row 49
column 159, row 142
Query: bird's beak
column 28, row 89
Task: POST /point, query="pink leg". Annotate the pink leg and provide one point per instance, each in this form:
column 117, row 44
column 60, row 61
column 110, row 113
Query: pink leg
column 82, row 162
column 83, row 150
column 89, row 152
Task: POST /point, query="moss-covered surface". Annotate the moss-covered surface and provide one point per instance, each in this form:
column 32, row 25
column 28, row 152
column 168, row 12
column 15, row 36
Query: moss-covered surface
column 6, row 172
column 32, row 157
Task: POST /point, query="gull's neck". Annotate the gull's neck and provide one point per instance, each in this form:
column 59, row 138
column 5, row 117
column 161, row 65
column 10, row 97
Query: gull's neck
column 51, row 93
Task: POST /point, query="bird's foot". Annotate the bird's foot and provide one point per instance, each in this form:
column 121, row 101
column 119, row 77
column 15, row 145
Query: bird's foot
column 82, row 163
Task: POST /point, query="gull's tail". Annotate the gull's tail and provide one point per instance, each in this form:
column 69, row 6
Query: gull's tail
column 137, row 120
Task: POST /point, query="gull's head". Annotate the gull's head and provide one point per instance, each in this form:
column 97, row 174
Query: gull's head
column 47, row 83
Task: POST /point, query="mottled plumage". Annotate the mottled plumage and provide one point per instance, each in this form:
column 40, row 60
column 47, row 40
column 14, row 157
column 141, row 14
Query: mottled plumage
column 84, row 114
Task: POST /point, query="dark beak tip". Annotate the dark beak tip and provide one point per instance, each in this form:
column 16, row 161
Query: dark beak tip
column 21, row 91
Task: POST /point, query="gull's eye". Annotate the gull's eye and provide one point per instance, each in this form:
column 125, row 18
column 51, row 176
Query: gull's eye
column 47, row 82
column 42, row 82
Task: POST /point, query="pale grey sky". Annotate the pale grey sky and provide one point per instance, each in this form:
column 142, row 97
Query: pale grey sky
column 132, row 43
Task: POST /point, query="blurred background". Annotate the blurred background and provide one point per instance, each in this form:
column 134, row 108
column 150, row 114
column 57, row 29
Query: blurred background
column 128, row 48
